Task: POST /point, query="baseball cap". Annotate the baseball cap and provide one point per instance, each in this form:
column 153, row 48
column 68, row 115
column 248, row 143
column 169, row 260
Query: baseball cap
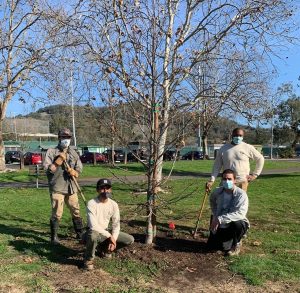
column 103, row 182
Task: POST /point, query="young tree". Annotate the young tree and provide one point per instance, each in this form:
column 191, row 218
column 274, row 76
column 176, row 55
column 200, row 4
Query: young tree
column 149, row 48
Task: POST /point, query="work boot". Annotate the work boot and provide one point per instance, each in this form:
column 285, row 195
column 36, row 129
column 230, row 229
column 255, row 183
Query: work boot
column 78, row 227
column 54, row 224
column 88, row 265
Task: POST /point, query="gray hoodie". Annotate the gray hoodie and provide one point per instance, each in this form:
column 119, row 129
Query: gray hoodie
column 229, row 207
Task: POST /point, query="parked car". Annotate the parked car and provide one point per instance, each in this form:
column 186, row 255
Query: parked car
column 33, row 158
column 131, row 157
column 88, row 157
column 193, row 155
column 141, row 154
column 119, row 155
column 169, row 155
column 12, row 156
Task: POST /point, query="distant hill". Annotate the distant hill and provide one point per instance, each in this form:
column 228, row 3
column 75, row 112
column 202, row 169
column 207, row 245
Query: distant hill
column 93, row 125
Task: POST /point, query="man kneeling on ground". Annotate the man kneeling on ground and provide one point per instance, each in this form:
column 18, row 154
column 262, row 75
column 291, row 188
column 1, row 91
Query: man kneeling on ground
column 229, row 205
column 99, row 212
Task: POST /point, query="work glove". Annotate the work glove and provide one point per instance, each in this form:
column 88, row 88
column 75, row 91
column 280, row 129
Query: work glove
column 73, row 172
column 209, row 185
column 60, row 159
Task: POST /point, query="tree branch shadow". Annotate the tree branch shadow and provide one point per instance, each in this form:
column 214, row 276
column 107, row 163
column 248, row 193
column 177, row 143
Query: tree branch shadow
column 31, row 242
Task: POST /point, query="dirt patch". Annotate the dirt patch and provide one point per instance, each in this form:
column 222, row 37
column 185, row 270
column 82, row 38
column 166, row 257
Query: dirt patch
column 8, row 288
column 185, row 266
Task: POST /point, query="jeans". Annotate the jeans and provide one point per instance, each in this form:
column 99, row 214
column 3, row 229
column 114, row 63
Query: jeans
column 93, row 238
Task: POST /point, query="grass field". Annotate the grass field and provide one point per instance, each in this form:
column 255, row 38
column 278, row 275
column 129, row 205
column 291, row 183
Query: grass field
column 180, row 167
column 271, row 252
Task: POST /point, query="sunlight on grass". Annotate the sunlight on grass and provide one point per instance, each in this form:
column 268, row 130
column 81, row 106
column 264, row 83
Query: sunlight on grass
column 274, row 214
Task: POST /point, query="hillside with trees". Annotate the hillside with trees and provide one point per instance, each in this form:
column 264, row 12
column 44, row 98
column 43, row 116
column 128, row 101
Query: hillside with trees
column 93, row 125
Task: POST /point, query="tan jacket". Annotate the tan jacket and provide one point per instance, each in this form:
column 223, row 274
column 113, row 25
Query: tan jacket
column 237, row 158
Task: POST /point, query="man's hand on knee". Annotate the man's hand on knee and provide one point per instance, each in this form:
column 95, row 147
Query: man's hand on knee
column 112, row 244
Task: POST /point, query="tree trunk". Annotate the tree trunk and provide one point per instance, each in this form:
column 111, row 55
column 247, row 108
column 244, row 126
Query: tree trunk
column 2, row 150
column 205, row 145
column 2, row 147
column 153, row 182
column 151, row 220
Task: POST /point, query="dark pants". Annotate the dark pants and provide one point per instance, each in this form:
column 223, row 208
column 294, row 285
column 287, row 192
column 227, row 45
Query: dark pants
column 227, row 238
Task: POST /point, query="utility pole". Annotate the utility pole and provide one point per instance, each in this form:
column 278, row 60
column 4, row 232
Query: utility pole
column 15, row 126
column 72, row 103
column 272, row 130
column 199, row 120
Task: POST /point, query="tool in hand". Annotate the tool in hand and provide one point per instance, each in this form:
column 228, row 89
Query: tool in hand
column 200, row 213
column 72, row 176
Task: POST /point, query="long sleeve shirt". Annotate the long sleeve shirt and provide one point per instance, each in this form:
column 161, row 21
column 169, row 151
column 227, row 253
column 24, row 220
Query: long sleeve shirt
column 236, row 158
column 99, row 215
column 60, row 181
column 229, row 206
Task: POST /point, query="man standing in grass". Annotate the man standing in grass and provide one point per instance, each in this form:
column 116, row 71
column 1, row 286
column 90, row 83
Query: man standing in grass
column 236, row 156
column 100, row 211
column 229, row 206
column 62, row 188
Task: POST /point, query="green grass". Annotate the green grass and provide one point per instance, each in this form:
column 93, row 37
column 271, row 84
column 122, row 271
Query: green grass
column 180, row 168
column 274, row 214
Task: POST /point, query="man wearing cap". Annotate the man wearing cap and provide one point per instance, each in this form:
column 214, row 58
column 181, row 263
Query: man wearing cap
column 62, row 163
column 236, row 156
column 100, row 211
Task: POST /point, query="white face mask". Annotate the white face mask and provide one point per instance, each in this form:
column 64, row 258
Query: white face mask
column 65, row 143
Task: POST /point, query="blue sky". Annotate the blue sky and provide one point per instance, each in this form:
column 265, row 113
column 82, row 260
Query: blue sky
column 288, row 67
column 288, row 70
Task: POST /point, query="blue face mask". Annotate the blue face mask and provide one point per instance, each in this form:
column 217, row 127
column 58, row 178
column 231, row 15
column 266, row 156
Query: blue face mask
column 228, row 184
column 237, row 139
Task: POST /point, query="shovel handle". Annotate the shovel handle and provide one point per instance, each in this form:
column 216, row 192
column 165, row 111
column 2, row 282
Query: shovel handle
column 76, row 183
column 200, row 212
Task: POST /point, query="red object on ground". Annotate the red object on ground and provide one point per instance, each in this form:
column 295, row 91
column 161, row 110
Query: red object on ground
column 171, row 226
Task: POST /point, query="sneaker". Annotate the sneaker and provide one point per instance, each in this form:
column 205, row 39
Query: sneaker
column 234, row 251
column 106, row 255
column 88, row 265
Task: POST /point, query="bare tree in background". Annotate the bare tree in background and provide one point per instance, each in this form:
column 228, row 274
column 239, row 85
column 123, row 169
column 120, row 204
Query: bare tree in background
column 229, row 85
column 27, row 30
column 287, row 113
column 148, row 50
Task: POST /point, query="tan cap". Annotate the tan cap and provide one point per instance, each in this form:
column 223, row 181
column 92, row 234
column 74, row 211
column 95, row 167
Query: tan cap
column 65, row 132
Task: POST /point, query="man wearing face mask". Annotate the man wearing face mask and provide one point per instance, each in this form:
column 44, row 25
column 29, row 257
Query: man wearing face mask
column 61, row 186
column 229, row 206
column 236, row 156
column 100, row 211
